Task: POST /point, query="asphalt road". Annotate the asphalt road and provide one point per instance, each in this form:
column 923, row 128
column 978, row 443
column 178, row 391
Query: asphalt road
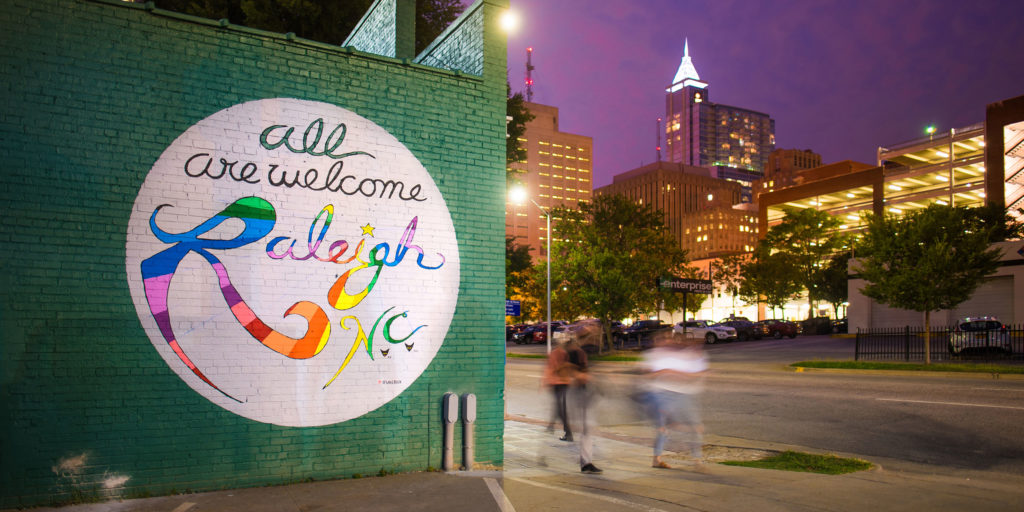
column 955, row 424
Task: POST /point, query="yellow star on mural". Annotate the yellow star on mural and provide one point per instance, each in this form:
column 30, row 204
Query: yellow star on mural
column 368, row 229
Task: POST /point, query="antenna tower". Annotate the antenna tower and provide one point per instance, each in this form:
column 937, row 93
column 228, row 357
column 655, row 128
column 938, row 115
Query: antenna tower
column 529, row 74
column 657, row 138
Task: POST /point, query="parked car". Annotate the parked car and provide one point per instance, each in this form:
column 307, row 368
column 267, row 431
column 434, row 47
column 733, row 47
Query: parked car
column 587, row 332
column 745, row 329
column 779, row 328
column 710, row 331
column 562, row 333
column 840, row 325
column 642, row 330
column 511, row 330
column 524, row 334
column 980, row 334
column 816, row 325
column 540, row 335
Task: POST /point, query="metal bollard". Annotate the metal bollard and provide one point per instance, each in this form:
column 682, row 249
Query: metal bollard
column 468, row 417
column 451, row 414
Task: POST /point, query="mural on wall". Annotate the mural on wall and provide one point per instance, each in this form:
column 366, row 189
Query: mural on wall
column 293, row 262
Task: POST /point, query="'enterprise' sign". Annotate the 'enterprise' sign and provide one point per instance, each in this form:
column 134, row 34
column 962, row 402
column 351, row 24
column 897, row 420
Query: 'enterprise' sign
column 676, row 284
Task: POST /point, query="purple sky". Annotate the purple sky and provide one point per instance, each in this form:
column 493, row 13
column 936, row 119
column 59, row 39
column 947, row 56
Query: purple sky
column 839, row 77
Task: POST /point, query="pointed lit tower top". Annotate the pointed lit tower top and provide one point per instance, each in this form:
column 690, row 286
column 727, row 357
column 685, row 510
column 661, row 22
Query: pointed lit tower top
column 687, row 73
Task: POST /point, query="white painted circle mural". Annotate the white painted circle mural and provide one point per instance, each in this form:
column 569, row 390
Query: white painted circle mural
column 293, row 262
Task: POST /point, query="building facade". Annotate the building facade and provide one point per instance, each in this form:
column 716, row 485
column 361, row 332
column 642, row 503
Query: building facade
column 968, row 166
column 784, row 166
column 701, row 133
column 698, row 207
column 254, row 284
column 557, row 172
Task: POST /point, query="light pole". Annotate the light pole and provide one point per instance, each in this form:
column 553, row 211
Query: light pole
column 517, row 195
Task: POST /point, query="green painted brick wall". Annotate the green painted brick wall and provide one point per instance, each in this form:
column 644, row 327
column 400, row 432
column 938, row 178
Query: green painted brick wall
column 93, row 92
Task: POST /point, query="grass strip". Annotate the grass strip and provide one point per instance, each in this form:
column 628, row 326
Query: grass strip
column 805, row 462
column 939, row 367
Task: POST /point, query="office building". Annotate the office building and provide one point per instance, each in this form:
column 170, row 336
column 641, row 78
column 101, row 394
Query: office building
column 701, row 133
column 557, row 172
column 698, row 207
column 784, row 166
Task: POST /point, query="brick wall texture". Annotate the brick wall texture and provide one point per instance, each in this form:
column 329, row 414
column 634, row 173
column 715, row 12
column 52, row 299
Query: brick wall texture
column 102, row 103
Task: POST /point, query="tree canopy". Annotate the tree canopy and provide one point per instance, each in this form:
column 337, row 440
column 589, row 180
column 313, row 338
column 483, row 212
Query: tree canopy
column 831, row 282
column 931, row 259
column 727, row 272
column 516, row 109
column 609, row 255
column 327, row 21
column 806, row 237
column 770, row 277
column 517, row 263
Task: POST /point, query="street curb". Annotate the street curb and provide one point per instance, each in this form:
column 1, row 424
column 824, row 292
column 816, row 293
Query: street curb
column 908, row 373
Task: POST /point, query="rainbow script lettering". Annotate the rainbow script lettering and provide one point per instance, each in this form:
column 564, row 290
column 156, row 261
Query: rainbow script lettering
column 259, row 218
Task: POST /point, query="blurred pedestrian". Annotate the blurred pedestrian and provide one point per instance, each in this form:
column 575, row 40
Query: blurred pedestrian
column 674, row 381
column 558, row 375
column 582, row 391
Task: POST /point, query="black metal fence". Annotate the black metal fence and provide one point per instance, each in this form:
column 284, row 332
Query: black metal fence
column 946, row 345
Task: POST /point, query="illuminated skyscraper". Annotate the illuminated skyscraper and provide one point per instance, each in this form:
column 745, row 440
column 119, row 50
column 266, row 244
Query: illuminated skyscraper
column 699, row 132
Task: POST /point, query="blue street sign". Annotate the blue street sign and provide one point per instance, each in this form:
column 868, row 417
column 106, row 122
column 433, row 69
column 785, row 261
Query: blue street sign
column 511, row 307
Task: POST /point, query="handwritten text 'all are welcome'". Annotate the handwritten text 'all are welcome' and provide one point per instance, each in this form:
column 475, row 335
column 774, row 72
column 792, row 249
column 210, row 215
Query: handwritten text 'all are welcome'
column 333, row 179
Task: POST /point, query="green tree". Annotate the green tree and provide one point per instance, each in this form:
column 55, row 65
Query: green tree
column 213, row 9
column 327, row 21
column 772, row 278
column 806, row 237
column 611, row 253
column 517, row 273
column 432, row 18
column 533, row 294
column 727, row 273
column 831, row 282
column 515, row 108
column 517, row 263
column 931, row 259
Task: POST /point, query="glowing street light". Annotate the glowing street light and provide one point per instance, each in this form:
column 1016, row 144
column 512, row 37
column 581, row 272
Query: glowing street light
column 509, row 21
column 518, row 195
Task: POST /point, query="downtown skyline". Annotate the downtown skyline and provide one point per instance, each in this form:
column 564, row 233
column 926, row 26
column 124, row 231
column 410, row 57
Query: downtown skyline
column 840, row 79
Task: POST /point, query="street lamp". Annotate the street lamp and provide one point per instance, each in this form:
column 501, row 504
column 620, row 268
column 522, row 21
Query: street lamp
column 509, row 21
column 517, row 195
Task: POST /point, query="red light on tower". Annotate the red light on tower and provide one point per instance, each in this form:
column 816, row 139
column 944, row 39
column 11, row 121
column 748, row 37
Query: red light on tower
column 529, row 74
column 657, row 135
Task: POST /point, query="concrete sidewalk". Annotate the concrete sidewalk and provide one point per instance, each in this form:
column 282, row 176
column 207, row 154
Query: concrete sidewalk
column 541, row 474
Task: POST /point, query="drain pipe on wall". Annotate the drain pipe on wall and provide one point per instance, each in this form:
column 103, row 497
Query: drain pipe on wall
column 468, row 417
column 451, row 415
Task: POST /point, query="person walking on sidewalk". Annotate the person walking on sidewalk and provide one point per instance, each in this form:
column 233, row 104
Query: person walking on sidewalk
column 582, row 391
column 674, row 381
column 558, row 375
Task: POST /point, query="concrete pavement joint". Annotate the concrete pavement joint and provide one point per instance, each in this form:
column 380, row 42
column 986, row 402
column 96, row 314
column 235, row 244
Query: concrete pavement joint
column 499, row 495
column 609, row 499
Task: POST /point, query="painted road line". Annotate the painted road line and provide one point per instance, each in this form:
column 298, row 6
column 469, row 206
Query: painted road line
column 499, row 495
column 184, row 506
column 961, row 404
